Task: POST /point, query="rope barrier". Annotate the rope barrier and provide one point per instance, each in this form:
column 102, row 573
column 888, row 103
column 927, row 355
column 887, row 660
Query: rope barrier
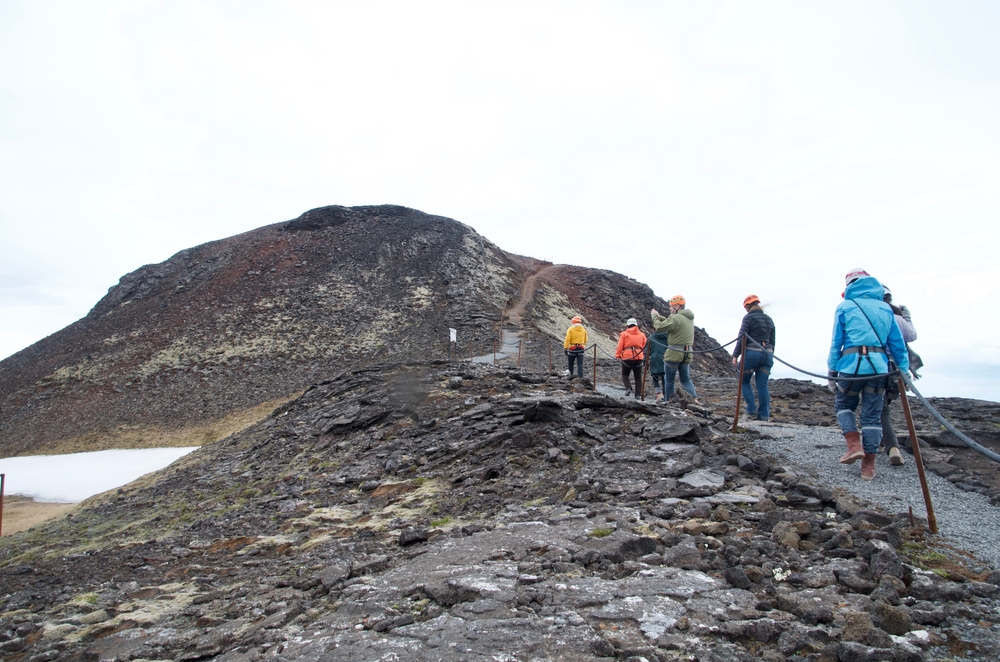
column 948, row 426
column 840, row 378
column 909, row 385
column 697, row 351
column 861, row 378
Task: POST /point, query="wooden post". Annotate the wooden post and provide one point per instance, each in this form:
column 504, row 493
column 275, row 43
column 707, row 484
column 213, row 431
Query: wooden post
column 3, row 479
column 518, row 352
column 915, row 444
column 739, row 386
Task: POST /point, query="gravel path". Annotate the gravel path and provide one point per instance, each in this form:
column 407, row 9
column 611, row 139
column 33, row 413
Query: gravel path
column 966, row 518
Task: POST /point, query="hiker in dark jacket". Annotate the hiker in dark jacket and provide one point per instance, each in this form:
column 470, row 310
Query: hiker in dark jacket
column 759, row 357
column 657, row 346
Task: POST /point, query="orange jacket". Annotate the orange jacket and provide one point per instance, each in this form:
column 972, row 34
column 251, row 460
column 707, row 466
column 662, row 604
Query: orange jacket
column 631, row 345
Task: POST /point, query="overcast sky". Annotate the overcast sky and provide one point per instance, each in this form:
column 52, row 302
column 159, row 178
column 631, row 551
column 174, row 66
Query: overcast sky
column 710, row 149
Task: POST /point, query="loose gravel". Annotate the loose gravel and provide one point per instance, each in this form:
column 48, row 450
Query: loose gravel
column 965, row 518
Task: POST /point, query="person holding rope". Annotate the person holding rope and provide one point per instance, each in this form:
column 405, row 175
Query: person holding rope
column 679, row 325
column 657, row 346
column 758, row 358
column 864, row 330
column 575, row 344
column 631, row 351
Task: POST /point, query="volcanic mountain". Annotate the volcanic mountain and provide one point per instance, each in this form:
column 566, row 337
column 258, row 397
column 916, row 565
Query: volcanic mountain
column 189, row 350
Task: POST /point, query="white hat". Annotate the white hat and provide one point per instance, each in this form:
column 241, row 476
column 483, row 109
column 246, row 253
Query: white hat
column 631, row 322
column 855, row 274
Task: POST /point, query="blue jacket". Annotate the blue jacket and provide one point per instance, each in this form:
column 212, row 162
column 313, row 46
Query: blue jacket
column 852, row 329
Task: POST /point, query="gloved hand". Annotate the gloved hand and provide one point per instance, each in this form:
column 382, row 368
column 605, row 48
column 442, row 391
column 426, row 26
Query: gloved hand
column 831, row 382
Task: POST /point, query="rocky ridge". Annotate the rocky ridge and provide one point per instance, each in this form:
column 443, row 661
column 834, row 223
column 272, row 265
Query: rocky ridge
column 455, row 511
column 187, row 351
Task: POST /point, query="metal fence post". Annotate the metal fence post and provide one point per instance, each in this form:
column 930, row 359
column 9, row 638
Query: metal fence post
column 739, row 386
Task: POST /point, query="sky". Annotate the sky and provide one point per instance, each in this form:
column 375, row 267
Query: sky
column 77, row 476
column 710, row 149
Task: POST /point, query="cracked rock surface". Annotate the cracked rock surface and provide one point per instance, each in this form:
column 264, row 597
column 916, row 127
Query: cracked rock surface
column 457, row 511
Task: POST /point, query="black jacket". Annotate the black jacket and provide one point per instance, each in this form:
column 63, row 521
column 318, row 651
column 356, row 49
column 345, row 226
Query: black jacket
column 759, row 326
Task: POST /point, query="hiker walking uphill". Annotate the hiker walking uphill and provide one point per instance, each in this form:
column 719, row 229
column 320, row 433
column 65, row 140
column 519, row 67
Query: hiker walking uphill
column 758, row 358
column 631, row 351
column 679, row 325
column 865, row 335
column 909, row 333
column 575, row 344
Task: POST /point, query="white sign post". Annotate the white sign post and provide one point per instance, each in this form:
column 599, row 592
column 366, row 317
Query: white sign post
column 453, row 339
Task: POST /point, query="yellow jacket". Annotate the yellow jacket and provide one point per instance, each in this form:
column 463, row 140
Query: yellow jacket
column 575, row 335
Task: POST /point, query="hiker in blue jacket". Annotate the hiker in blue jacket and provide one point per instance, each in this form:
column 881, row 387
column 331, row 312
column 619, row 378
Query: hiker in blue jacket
column 865, row 335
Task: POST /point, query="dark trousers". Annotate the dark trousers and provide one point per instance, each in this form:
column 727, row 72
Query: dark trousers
column 632, row 368
column 888, row 434
column 575, row 355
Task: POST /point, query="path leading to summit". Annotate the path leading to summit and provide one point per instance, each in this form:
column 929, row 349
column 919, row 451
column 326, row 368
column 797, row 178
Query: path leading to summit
column 513, row 317
column 525, row 296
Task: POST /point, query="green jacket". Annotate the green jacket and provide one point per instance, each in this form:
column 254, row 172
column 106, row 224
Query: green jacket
column 680, row 329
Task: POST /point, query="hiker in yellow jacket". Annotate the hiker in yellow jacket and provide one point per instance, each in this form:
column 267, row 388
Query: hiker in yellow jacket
column 575, row 344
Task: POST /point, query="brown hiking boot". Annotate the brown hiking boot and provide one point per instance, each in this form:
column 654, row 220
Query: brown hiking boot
column 868, row 466
column 854, row 450
column 895, row 457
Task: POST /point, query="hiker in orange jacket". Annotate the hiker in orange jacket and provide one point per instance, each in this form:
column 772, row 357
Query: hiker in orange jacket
column 631, row 352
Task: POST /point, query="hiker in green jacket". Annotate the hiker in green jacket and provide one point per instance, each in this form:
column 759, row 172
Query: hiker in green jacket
column 679, row 326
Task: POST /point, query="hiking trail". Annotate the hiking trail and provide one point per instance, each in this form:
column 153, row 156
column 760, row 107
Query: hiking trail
column 511, row 337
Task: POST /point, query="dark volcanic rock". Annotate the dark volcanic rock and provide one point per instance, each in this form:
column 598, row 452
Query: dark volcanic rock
column 216, row 337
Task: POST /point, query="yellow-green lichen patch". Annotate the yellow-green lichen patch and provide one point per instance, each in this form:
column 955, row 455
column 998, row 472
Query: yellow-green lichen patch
column 553, row 312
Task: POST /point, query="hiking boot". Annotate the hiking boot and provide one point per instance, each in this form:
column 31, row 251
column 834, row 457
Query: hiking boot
column 868, row 466
column 659, row 398
column 854, row 450
column 895, row 457
column 628, row 392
